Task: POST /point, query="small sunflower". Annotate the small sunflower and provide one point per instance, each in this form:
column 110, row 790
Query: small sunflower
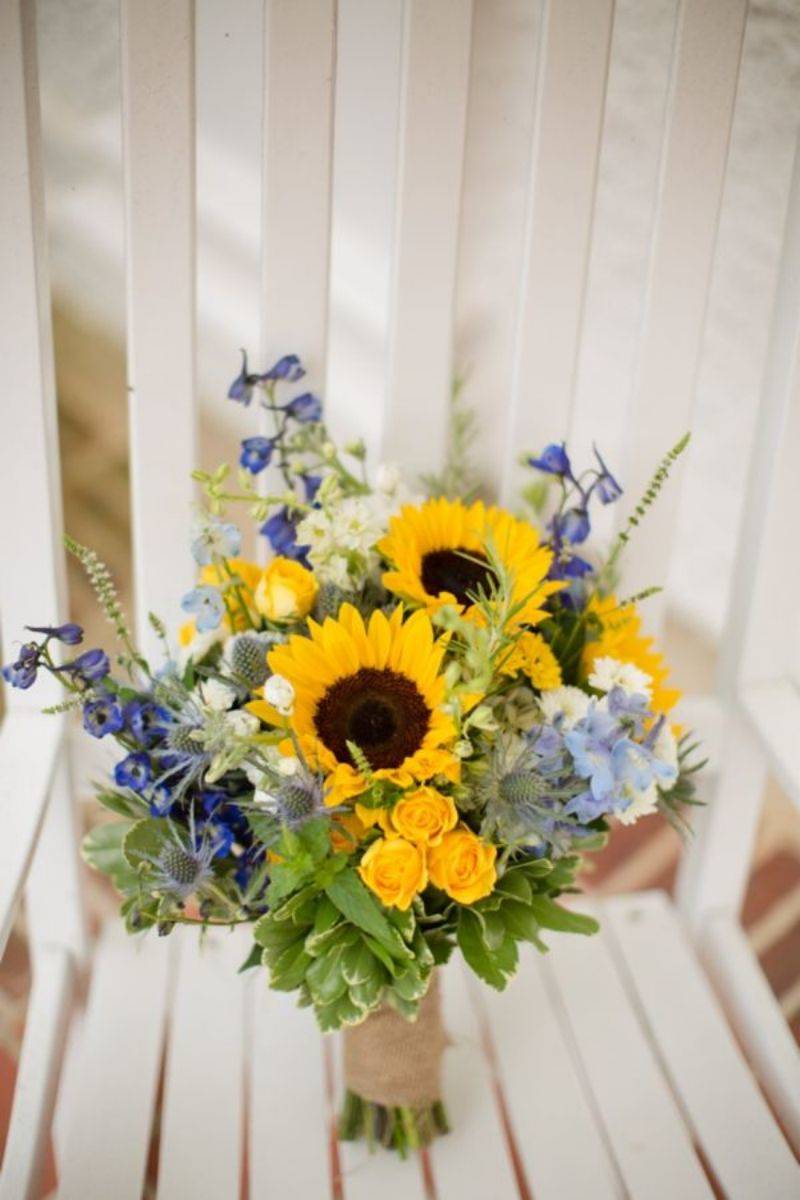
column 621, row 638
column 438, row 553
column 376, row 686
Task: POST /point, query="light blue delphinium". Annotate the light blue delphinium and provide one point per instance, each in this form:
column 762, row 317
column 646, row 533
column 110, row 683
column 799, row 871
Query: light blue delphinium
column 215, row 539
column 206, row 605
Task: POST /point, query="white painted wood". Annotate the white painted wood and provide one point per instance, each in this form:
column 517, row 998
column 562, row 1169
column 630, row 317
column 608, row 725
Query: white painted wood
column 298, row 91
column 774, row 711
column 107, row 1132
column 643, row 1123
column 756, row 1016
column 762, row 627
column 476, row 1150
column 204, row 1067
column 37, row 1074
column 369, row 47
column 431, row 148
column 29, row 747
column 289, row 1118
column 551, row 1107
column 499, row 132
column 54, row 907
column 715, row 865
column 730, row 1117
column 30, row 532
column 158, row 144
column 702, row 93
column 573, row 70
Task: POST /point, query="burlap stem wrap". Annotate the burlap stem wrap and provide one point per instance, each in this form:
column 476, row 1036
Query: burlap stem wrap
column 398, row 1063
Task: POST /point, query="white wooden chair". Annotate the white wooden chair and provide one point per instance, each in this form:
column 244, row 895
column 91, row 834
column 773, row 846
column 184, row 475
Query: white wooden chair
column 610, row 1067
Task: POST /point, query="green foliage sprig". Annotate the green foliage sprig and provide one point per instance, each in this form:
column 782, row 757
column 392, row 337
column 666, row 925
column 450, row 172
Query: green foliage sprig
column 105, row 590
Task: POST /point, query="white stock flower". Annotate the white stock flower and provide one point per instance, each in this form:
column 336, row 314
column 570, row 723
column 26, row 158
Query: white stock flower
column 288, row 765
column 279, row 692
column 665, row 747
column 242, row 723
column 388, row 478
column 609, row 673
column 643, row 804
column 217, row 695
column 570, row 703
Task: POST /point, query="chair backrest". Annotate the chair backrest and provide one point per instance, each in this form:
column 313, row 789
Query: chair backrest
column 367, row 226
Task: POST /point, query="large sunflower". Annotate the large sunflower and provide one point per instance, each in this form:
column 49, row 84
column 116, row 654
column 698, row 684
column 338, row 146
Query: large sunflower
column 375, row 685
column 428, row 548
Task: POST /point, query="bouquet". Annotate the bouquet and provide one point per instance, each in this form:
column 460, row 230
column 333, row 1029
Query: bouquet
column 396, row 738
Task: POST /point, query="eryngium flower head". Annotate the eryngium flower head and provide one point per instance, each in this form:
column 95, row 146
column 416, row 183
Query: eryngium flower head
column 246, row 655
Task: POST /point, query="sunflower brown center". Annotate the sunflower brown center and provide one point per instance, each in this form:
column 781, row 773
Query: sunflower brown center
column 383, row 712
column 450, row 571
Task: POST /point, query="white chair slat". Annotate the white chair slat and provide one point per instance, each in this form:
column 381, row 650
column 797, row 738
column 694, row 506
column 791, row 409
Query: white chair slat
column 643, row 1123
column 573, row 70
column 369, row 47
column 54, row 907
column 298, row 98
column 365, row 1175
column 30, row 505
column 502, row 88
column 756, row 1015
column 433, row 109
column 206, row 1042
column 158, row 143
column 30, row 744
column 703, row 84
column 730, row 1117
column 756, row 642
column 289, row 1126
column 46, row 1023
column 774, row 712
column 476, row 1154
column 552, row 1118
column 107, row 1132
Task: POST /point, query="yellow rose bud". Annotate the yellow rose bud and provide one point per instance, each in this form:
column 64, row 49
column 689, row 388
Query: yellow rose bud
column 463, row 866
column 286, row 591
column 394, row 870
column 424, row 816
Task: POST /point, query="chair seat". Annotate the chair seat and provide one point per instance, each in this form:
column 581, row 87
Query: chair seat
column 606, row 1069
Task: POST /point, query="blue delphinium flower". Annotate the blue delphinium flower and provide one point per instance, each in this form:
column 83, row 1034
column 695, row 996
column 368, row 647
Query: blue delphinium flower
column 22, row 673
column 573, row 525
column 241, row 389
column 160, row 800
column 90, row 667
column 591, row 744
column 215, row 539
column 102, row 716
column 311, row 485
column 307, row 407
column 256, row 454
column 281, row 532
column 553, row 460
column 148, row 722
column 205, row 603
column 133, row 771
column 288, row 368
column 608, row 490
column 70, row 634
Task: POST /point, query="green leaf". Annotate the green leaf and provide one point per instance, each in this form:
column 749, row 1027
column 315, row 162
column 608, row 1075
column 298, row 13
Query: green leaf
column 286, row 878
column 290, row 968
column 514, row 884
column 494, row 967
column 145, row 838
column 552, row 916
column 253, row 959
column 315, row 837
column 341, row 1012
column 356, row 903
column 102, row 849
column 324, row 977
column 521, row 923
column 121, row 804
column 404, row 922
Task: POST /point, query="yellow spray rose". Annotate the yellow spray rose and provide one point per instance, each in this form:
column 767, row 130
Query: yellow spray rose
column 394, row 870
column 463, row 866
column 286, row 591
column 424, row 816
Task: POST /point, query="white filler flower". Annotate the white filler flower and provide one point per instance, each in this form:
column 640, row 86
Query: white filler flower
column 570, row 703
column 609, row 673
column 279, row 692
